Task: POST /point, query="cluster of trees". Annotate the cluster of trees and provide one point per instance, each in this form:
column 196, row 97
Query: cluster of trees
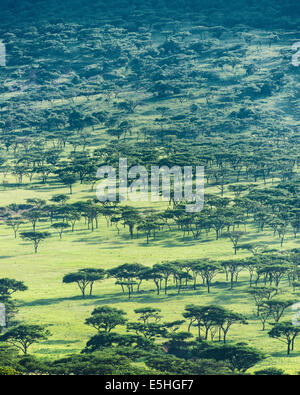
column 248, row 162
column 267, row 268
column 275, row 209
column 124, row 55
column 161, row 346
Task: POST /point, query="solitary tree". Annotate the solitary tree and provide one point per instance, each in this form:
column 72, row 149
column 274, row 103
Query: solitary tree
column 23, row 336
column 15, row 224
column 61, row 199
column 106, row 318
column 84, row 278
column 35, row 238
column 148, row 313
column 60, row 227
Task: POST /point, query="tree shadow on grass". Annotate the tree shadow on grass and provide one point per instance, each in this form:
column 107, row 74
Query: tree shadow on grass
column 283, row 353
column 88, row 240
column 230, row 296
column 220, row 292
column 98, row 241
column 88, row 196
column 50, row 342
column 143, row 297
column 14, row 185
column 174, row 241
column 51, row 351
column 45, row 187
column 50, row 301
column 148, row 297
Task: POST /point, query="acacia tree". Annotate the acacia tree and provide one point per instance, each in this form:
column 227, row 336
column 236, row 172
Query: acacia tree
column 150, row 330
column 211, row 317
column 273, row 272
column 201, row 317
column 33, row 216
column 148, row 313
column 60, row 226
column 149, row 226
column 15, row 224
column 128, row 274
column 68, row 178
column 282, row 230
column 106, row 318
column 208, row 270
column 84, row 278
column 251, row 265
column 254, row 248
column 263, row 314
column 233, row 267
column 166, row 269
column 131, row 218
column 24, row 335
column 181, row 276
column 73, row 217
column 9, row 286
column 155, row 275
column 94, row 275
column 261, row 294
column 277, row 307
column 285, row 332
column 234, row 237
column 60, row 199
column 35, row 238
column 226, row 318
column 127, row 284
column 218, row 222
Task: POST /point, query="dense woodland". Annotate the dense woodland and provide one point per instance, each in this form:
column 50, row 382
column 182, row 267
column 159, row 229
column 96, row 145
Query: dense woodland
column 167, row 83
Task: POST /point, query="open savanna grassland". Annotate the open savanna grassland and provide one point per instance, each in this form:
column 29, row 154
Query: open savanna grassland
column 190, row 81
column 60, row 306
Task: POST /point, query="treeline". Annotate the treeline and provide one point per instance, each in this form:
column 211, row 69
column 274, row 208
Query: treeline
column 266, row 268
column 226, row 161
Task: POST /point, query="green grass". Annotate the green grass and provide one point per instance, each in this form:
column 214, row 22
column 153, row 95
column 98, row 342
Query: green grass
column 49, row 301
